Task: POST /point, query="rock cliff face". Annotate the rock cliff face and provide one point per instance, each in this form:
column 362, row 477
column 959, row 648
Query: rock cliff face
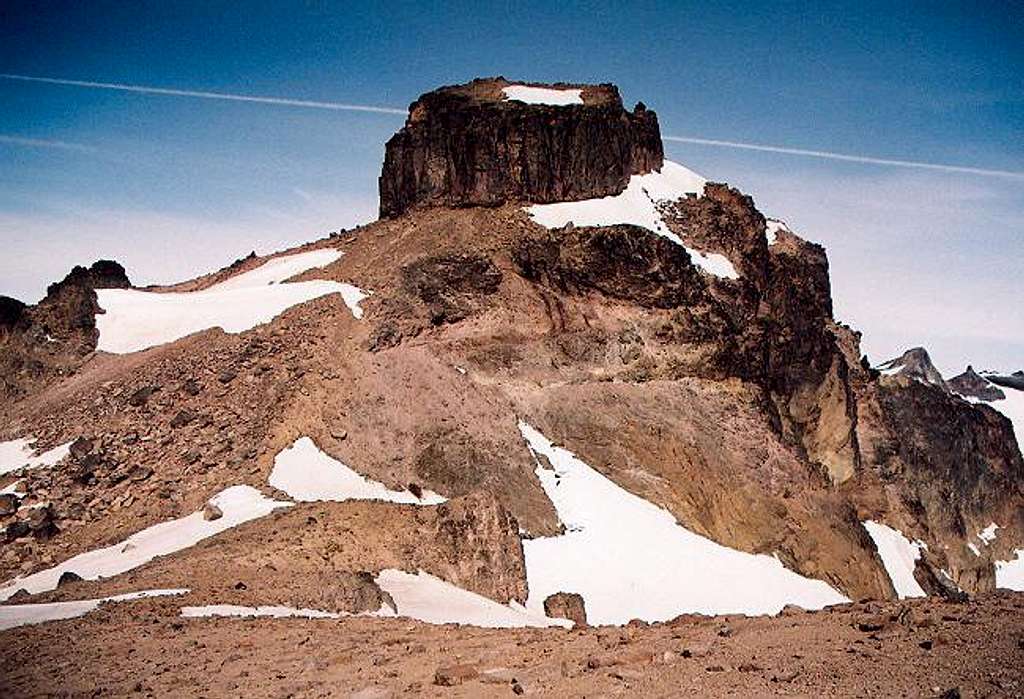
column 38, row 342
column 468, row 145
column 972, row 385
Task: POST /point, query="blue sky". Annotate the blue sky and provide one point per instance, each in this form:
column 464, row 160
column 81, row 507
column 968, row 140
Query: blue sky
column 172, row 186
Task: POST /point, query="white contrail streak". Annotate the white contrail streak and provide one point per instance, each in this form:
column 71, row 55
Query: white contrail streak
column 145, row 89
column 848, row 158
column 44, row 143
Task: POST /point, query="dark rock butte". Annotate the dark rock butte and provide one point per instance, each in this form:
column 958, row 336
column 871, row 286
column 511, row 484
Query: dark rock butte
column 466, row 145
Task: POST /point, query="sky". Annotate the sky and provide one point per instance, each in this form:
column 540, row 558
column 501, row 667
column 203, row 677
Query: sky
column 173, row 185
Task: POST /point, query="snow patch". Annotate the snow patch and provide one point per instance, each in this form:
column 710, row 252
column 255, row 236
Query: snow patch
column 988, row 534
column 974, row 549
column 771, row 230
column 268, row 611
column 435, row 601
column 898, row 554
column 13, row 488
column 135, row 320
column 19, row 453
column 239, row 503
column 309, row 475
column 543, row 95
column 12, row 615
column 1010, row 574
column 638, row 205
column 630, row 559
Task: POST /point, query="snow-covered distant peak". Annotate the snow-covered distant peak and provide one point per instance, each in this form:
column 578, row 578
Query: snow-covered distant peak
column 915, row 364
column 543, row 95
column 639, row 205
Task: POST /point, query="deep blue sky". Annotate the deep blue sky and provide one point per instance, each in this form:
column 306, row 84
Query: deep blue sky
column 172, row 186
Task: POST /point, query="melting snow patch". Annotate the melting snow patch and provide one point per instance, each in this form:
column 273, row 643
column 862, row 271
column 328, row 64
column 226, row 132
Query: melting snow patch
column 308, row 475
column 772, row 228
column 543, row 95
column 899, row 555
column 435, row 601
column 19, row 453
column 988, row 534
column 974, row 549
column 638, row 205
column 12, row 615
column 1010, row 574
column 135, row 320
column 271, row 611
column 239, row 503
column 630, row 559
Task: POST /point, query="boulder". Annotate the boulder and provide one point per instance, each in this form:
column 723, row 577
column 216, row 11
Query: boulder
column 567, row 605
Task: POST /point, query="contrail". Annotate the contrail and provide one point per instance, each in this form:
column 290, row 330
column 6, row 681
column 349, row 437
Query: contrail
column 848, row 158
column 45, row 143
column 145, row 89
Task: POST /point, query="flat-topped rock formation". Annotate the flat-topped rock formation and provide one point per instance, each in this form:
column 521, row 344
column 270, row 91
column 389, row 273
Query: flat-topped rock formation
column 481, row 144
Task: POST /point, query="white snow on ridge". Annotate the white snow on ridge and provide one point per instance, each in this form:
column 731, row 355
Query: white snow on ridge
column 435, row 601
column 630, row 559
column 543, row 95
column 12, row 615
column 771, row 230
column 899, row 555
column 309, row 475
column 638, row 205
column 1010, row 574
column 136, row 320
column 19, row 452
column 988, row 534
column 239, row 504
column 275, row 612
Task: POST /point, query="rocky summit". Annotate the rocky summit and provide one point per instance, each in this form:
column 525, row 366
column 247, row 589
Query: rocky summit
column 562, row 383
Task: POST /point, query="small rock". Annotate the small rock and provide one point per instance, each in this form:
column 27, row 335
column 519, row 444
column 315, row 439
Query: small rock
column 227, row 376
column 517, row 688
column 140, row 473
column 68, row 576
column 715, row 668
column 567, row 605
column 454, row 675
column 8, row 504
column 786, row 676
column 497, row 675
column 184, row 417
column 750, row 667
column 212, row 512
column 340, row 435
column 191, row 387
column 141, row 396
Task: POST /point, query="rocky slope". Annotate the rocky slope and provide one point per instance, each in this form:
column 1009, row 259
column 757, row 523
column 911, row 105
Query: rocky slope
column 674, row 346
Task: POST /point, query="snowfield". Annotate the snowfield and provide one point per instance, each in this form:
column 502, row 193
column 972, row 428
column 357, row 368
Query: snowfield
column 1010, row 574
column 308, row 475
column 12, row 615
column 638, row 205
column 771, row 230
column 435, row 601
column 136, row 320
column 19, row 453
column 898, row 554
column 630, row 559
column 275, row 612
column 239, row 504
column 543, row 95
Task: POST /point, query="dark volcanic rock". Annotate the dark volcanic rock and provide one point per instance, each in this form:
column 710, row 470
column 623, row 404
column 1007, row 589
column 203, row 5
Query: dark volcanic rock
column 466, row 145
column 1014, row 380
column 970, row 384
column 451, row 286
column 624, row 262
column 11, row 311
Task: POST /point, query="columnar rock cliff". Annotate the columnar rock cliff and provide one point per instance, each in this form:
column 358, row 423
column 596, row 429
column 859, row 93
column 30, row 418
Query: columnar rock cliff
column 469, row 145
